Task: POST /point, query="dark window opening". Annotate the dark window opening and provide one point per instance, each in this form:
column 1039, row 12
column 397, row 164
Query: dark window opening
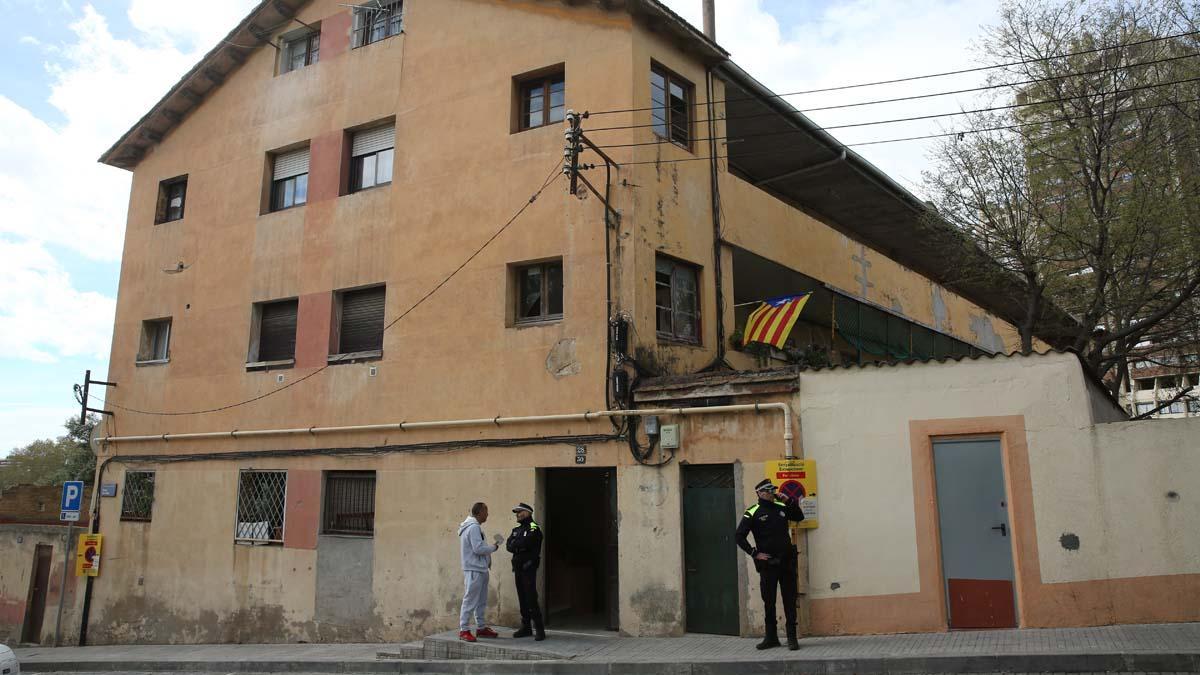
column 276, row 331
column 137, row 499
column 543, row 101
column 171, row 194
column 361, row 325
column 377, row 21
column 540, row 292
column 677, row 305
column 671, row 106
column 349, row 502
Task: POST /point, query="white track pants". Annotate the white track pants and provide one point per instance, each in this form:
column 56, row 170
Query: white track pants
column 474, row 600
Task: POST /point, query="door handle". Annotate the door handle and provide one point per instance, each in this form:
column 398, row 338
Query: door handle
column 692, row 571
column 1003, row 529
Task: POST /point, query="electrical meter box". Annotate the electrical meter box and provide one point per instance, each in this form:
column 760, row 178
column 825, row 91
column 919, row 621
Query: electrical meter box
column 669, row 438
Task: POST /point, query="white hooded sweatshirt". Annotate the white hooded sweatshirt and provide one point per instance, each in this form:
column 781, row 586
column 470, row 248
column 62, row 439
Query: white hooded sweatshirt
column 476, row 552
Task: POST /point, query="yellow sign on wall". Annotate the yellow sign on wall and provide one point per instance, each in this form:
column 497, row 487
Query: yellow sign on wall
column 87, row 555
column 797, row 478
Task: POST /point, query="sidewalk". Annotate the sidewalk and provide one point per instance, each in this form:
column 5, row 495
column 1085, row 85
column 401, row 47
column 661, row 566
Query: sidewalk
column 1143, row 649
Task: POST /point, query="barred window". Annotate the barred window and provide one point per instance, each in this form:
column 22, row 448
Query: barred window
column 349, row 502
column 137, row 500
column 260, row 508
column 375, row 21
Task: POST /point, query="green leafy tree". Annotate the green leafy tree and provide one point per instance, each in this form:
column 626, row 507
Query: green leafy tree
column 53, row 461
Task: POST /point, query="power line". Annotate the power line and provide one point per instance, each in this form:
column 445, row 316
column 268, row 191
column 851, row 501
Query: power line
column 1009, row 127
column 554, row 174
column 922, row 77
column 917, row 118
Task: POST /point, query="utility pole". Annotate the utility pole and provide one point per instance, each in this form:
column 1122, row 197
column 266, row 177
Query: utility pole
column 572, row 169
column 83, row 393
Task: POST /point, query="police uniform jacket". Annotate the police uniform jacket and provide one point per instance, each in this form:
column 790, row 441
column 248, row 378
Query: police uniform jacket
column 525, row 545
column 768, row 520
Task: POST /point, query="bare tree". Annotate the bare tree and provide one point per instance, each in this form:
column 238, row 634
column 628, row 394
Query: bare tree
column 1090, row 191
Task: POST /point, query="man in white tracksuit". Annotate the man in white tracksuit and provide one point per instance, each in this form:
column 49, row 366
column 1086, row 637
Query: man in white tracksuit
column 476, row 561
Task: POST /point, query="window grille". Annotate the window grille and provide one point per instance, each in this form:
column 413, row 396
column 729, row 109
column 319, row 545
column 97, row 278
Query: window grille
column 377, row 20
column 137, row 499
column 350, row 502
column 260, row 508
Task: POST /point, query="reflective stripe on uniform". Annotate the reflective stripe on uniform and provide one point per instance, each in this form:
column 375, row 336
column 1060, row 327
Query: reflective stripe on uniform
column 533, row 526
column 751, row 511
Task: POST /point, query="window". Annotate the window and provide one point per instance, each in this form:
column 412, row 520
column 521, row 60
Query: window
column 671, row 106
column 260, row 507
column 289, row 179
column 1143, row 408
column 300, row 51
column 543, row 101
column 540, row 292
column 376, row 21
column 156, row 341
column 371, row 154
column 1176, row 408
column 360, row 324
column 273, row 337
column 349, row 502
column 1193, row 406
column 171, row 194
column 137, row 499
column 678, row 309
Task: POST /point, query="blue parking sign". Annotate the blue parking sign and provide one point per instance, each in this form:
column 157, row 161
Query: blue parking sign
column 72, row 495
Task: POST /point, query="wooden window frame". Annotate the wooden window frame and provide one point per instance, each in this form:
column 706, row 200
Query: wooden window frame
column 672, row 336
column 147, row 355
column 162, row 213
column 689, row 90
column 544, row 315
column 363, row 35
column 546, row 81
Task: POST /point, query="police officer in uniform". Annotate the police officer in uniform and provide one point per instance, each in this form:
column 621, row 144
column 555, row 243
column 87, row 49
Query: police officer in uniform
column 774, row 556
column 525, row 545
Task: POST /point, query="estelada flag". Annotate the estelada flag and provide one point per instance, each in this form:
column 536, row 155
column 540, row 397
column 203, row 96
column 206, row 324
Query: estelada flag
column 772, row 321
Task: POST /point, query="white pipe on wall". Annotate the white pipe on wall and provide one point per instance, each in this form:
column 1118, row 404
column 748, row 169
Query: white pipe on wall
column 492, row 421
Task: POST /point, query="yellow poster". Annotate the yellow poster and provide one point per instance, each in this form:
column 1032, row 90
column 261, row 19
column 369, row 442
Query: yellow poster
column 797, row 478
column 87, row 555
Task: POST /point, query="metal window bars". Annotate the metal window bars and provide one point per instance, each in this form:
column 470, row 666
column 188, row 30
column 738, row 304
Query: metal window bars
column 350, row 502
column 260, row 509
column 137, row 500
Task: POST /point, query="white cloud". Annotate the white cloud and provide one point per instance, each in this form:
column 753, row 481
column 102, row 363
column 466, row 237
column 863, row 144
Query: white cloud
column 860, row 41
column 42, row 316
column 203, row 25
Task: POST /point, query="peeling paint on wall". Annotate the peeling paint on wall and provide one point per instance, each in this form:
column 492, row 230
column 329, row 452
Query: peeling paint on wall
column 562, row 361
column 941, row 313
column 985, row 333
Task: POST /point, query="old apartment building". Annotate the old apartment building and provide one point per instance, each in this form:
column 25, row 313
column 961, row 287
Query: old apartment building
column 329, row 343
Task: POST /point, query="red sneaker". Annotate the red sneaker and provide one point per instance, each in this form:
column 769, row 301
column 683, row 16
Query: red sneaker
column 465, row 636
column 486, row 632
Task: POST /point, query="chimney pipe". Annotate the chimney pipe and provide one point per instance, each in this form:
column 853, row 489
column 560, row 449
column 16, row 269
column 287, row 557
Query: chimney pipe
column 710, row 20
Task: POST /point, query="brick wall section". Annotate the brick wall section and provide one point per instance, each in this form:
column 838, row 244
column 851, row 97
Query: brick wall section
column 37, row 504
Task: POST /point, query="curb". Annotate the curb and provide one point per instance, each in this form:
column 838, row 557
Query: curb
column 1116, row 662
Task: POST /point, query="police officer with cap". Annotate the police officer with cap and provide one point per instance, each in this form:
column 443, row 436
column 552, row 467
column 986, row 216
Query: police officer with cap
column 774, row 556
column 525, row 545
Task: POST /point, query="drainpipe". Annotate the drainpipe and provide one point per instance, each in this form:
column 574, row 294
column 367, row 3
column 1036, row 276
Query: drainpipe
column 589, row 416
column 710, row 20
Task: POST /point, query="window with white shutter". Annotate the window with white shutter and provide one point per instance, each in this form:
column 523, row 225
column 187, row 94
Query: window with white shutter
column 289, row 179
column 360, row 326
column 371, row 155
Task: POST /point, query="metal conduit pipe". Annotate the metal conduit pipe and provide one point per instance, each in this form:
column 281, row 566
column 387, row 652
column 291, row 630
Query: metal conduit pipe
column 494, row 421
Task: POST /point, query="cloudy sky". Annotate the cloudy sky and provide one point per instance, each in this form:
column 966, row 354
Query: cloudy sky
column 75, row 75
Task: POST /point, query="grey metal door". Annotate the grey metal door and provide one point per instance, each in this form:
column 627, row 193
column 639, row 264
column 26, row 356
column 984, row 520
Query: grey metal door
column 977, row 563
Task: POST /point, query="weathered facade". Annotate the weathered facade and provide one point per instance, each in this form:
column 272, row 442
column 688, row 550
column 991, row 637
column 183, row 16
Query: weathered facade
column 245, row 308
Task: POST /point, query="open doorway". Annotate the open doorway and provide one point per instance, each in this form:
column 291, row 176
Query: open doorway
column 39, row 582
column 581, row 548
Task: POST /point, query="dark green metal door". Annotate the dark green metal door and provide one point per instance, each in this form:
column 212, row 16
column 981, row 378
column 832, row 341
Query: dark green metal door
column 710, row 555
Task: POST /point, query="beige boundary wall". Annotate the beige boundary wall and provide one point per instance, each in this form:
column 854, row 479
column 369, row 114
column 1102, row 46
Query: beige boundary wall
column 18, row 550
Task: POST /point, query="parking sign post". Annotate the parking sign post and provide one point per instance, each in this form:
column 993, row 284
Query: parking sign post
column 69, row 507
